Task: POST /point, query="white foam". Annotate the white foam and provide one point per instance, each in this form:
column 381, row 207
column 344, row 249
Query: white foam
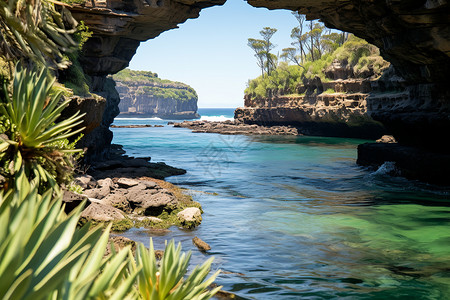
column 137, row 119
column 215, row 118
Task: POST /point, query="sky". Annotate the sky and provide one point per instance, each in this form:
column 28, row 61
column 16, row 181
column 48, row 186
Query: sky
column 210, row 53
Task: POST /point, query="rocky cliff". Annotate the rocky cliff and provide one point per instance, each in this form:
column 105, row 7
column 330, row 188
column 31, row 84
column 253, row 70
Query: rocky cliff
column 337, row 114
column 144, row 94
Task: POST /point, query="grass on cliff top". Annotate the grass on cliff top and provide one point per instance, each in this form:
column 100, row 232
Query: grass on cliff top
column 361, row 56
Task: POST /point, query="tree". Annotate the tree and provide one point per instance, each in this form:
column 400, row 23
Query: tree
column 291, row 54
column 267, row 34
column 258, row 47
column 266, row 60
column 297, row 35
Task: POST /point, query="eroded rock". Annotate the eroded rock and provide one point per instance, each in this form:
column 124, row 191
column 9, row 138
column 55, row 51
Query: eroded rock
column 190, row 217
column 102, row 213
column 127, row 182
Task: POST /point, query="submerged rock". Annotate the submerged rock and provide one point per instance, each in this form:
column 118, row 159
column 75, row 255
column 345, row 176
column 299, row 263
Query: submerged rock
column 201, row 245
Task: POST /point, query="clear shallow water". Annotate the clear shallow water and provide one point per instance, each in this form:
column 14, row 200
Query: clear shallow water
column 296, row 218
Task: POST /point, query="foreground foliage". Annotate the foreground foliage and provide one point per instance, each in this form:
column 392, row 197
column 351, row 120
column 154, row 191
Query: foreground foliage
column 43, row 254
column 167, row 282
column 31, row 129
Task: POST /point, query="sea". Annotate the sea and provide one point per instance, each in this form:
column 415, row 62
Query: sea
column 294, row 217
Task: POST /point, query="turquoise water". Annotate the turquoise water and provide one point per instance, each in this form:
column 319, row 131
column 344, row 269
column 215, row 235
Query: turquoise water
column 296, row 218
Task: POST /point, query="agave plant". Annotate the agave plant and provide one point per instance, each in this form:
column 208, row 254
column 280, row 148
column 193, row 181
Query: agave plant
column 167, row 281
column 36, row 30
column 44, row 256
column 34, row 130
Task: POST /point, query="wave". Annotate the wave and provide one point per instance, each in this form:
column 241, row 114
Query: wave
column 216, row 118
column 387, row 168
column 138, row 119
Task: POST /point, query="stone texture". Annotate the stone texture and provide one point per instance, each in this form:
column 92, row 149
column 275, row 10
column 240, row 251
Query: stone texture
column 118, row 200
column 72, row 200
column 120, row 242
column 336, row 115
column 98, row 193
column 127, row 182
column 200, row 244
column 160, row 199
column 190, row 217
column 85, row 181
column 102, row 213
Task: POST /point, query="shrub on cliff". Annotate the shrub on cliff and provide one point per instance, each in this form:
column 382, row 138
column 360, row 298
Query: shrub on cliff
column 363, row 58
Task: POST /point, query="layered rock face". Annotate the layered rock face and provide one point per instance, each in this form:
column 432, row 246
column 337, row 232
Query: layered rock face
column 340, row 111
column 134, row 103
column 414, row 37
column 118, row 28
column 336, row 115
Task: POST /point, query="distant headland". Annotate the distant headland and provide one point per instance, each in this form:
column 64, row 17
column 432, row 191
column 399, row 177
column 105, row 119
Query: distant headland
column 144, row 94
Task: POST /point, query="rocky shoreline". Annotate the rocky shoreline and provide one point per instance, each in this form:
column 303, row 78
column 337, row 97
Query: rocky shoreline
column 130, row 192
column 233, row 127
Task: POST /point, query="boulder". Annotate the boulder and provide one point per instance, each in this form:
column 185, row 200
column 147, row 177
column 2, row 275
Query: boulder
column 98, row 193
column 201, row 245
column 127, row 182
column 117, row 200
column 160, row 199
column 85, row 181
column 102, row 213
column 107, row 182
column 120, row 242
column 190, row 217
column 72, row 200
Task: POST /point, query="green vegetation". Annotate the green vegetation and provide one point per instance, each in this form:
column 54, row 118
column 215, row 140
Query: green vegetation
column 361, row 57
column 74, row 77
column 36, row 32
column 43, row 254
column 31, row 131
column 150, row 85
column 166, row 281
column 266, row 61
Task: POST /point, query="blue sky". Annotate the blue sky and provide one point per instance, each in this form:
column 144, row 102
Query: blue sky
column 210, row 53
